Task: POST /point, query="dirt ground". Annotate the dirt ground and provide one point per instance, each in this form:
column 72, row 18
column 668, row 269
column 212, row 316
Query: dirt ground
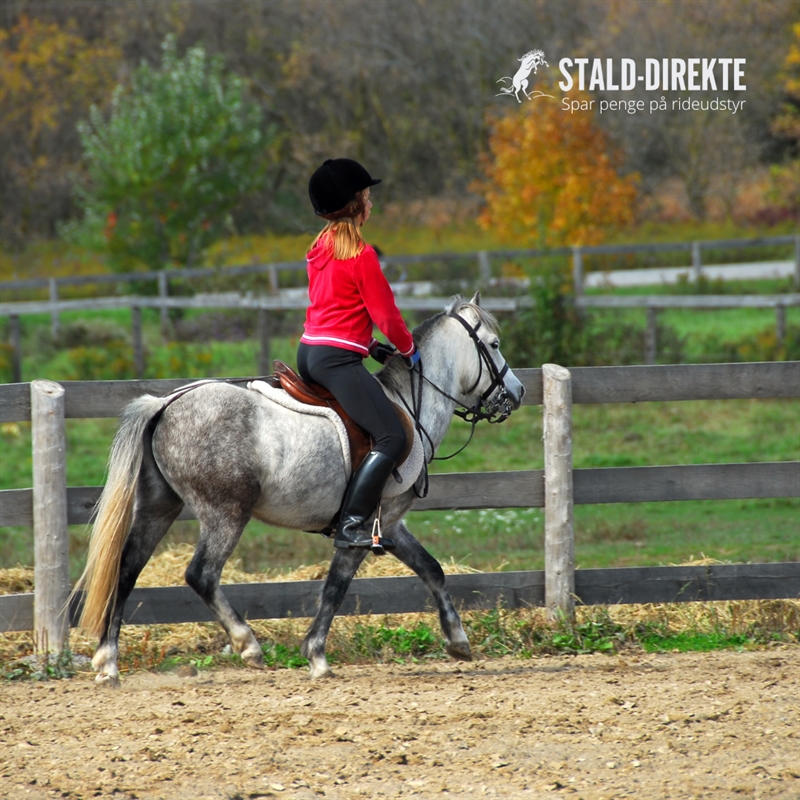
column 720, row 725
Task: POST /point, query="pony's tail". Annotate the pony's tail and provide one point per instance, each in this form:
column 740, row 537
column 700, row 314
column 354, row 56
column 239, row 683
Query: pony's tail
column 114, row 515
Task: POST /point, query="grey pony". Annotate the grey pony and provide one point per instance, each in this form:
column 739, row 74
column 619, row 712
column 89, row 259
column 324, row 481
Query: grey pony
column 231, row 454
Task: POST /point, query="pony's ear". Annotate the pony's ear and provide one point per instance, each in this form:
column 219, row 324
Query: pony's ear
column 476, row 299
column 455, row 301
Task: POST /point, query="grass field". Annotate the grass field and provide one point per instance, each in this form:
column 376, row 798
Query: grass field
column 606, row 535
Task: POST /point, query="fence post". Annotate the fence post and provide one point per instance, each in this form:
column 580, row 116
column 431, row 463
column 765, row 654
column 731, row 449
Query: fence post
column 15, row 333
column 577, row 270
column 274, row 285
column 138, row 346
column 55, row 320
column 559, row 543
column 651, row 336
column 780, row 324
column 264, row 366
column 163, row 292
column 697, row 264
column 797, row 263
column 484, row 268
column 51, row 551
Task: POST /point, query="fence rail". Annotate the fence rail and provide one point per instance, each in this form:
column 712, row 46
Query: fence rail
column 283, row 300
column 486, row 490
column 407, row 595
column 483, row 259
column 286, row 301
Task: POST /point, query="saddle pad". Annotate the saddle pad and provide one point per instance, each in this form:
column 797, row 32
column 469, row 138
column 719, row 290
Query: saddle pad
column 408, row 471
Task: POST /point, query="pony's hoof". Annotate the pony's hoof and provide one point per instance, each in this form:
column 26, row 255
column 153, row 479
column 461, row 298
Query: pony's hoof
column 108, row 679
column 460, row 651
column 316, row 672
column 254, row 659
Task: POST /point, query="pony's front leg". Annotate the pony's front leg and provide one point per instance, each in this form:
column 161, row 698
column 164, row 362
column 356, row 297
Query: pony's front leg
column 344, row 565
column 416, row 557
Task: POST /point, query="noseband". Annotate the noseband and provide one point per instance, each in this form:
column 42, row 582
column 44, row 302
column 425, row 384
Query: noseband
column 500, row 408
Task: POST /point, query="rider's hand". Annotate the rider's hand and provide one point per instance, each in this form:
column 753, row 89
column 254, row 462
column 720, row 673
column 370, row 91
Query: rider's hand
column 382, row 352
column 412, row 360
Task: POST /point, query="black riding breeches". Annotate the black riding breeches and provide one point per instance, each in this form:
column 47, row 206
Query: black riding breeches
column 344, row 375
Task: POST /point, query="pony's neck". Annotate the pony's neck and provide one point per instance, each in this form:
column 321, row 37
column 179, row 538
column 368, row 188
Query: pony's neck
column 437, row 408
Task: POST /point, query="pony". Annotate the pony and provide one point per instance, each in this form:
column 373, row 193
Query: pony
column 519, row 83
column 230, row 454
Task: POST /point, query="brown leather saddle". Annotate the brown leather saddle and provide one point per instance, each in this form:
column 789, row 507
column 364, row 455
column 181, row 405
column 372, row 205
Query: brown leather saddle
column 315, row 395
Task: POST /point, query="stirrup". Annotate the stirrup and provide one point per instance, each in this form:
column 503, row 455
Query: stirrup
column 374, row 541
column 379, row 544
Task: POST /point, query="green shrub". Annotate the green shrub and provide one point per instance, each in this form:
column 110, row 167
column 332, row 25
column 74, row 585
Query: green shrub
column 552, row 330
column 112, row 361
column 91, row 332
column 764, row 346
column 178, row 359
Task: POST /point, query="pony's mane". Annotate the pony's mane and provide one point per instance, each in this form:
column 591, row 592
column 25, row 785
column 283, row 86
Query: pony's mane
column 423, row 331
column 458, row 304
column 533, row 53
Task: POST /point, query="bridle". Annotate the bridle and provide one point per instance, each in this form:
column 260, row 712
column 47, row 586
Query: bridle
column 493, row 411
column 485, row 408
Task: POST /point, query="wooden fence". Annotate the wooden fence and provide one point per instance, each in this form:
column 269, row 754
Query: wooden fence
column 483, row 259
column 528, row 488
column 282, row 300
column 286, row 301
column 654, row 304
column 264, row 306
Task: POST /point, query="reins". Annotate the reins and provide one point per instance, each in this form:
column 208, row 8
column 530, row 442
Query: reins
column 473, row 415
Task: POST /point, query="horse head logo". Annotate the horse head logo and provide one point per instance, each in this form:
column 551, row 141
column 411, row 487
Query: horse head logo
column 519, row 83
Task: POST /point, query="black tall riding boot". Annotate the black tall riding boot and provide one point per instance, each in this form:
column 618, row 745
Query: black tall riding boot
column 361, row 499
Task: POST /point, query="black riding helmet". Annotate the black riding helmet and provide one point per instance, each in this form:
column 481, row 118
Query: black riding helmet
column 334, row 185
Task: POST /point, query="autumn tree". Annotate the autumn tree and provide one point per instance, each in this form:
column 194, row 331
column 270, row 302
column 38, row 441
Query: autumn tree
column 710, row 152
column 49, row 77
column 553, row 178
column 179, row 148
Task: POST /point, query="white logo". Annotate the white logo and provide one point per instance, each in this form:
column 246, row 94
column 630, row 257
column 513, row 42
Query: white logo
column 519, row 83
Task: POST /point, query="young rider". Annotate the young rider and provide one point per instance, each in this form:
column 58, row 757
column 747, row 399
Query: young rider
column 348, row 295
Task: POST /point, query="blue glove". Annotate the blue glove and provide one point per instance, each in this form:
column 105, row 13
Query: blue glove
column 382, row 352
column 412, row 360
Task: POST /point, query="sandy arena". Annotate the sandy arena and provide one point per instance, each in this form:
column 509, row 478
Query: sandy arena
column 718, row 725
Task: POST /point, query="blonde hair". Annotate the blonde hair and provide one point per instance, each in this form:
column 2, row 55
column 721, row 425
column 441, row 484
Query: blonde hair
column 342, row 235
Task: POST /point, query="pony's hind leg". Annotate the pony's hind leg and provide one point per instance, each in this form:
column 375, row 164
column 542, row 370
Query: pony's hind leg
column 217, row 540
column 417, row 558
column 151, row 522
column 343, row 567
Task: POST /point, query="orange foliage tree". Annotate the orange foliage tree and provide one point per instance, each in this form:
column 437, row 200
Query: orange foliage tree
column 553, row 178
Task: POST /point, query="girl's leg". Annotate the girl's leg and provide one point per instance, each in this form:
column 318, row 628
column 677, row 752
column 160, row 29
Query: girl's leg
column 343, row 374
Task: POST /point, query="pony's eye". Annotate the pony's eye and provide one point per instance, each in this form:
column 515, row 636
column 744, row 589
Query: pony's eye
column 496, row 344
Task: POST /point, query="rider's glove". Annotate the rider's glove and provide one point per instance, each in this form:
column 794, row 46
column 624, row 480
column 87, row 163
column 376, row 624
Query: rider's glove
column 412, row 360
column 382, row 352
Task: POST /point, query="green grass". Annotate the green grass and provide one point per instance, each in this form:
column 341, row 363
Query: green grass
column 692, row 641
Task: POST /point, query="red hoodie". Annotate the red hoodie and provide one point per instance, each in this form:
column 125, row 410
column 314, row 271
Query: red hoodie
column 349, row 297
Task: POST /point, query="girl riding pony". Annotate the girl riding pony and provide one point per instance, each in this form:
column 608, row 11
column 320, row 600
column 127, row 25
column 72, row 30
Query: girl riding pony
column 349, row 296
